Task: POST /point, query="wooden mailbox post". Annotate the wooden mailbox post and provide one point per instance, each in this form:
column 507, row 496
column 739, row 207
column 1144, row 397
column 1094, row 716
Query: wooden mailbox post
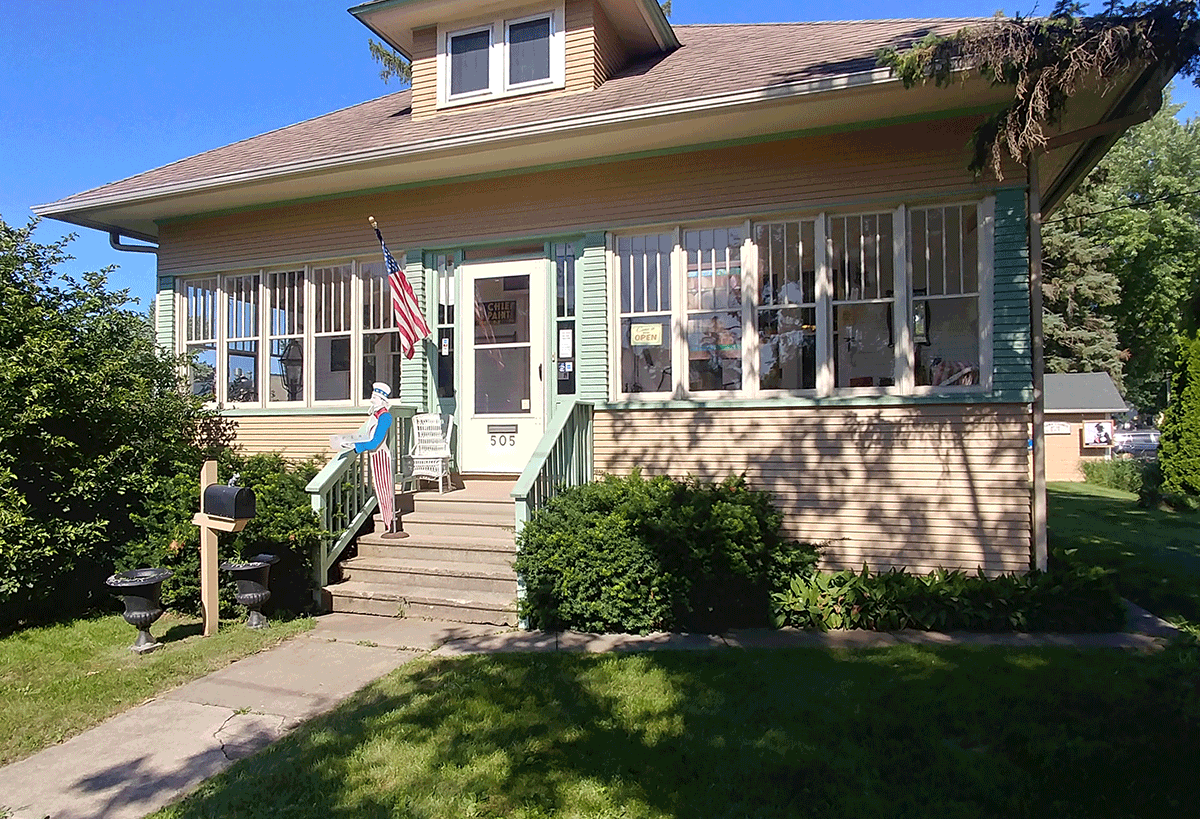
column 209, row 526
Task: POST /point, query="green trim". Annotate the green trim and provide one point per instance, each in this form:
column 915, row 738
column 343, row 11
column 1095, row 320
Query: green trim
column 164, row 313
column 885, row 122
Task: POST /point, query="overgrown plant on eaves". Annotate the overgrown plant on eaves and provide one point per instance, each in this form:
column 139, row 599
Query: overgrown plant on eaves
column 1045, row 60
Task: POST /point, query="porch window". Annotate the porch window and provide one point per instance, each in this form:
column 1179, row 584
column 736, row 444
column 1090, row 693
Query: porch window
column 714, row 309
column 241, row 373
column 787, row 305
column 945, row 296
column 861, row 264
column 285, row 297
column 289, row 336
column 381, row 340
column 200, row 336
column 644, row 281
column 889, row 301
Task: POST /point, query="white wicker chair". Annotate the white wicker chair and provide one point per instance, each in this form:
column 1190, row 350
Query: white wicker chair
column 430, row 454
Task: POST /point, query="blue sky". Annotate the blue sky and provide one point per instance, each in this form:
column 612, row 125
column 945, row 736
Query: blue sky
column 92, row 92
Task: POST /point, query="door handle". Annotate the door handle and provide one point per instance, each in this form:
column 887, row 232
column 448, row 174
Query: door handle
column 540, row 373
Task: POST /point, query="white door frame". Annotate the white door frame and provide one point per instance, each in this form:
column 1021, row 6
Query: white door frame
column 502, row 442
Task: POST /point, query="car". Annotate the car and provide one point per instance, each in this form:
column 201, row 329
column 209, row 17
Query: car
column 1138, row 443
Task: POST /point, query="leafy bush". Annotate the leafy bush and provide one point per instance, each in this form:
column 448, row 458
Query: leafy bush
column 93, row 428
column 1179, row 446
column 635, row 554
column 1068, row 599
column 1121, row 473
column 284, row 525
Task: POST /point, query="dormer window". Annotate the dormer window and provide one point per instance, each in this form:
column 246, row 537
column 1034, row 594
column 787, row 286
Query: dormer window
column 501, row 57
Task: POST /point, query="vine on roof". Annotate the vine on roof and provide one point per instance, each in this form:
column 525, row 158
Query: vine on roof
column 1046, row 59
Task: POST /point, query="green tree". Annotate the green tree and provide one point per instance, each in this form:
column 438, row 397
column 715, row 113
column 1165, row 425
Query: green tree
column 94, row 426
column 1133, row 228
column 1179, row 448
column 1080, row 292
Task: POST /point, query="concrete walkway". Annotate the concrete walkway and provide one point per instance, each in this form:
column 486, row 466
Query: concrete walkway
column 156, row 752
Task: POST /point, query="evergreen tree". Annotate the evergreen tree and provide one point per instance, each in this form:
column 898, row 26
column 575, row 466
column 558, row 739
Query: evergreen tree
column 1179, row 447
column 1079, row 293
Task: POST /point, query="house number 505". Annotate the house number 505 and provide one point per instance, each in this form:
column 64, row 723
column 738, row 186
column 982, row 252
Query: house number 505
column 504, row 440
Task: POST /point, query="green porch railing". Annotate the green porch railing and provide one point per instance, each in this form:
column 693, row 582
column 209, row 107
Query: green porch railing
column 343, row 495
column 562, row 459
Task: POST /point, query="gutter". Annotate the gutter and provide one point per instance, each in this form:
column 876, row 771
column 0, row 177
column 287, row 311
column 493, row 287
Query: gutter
column 114, row 241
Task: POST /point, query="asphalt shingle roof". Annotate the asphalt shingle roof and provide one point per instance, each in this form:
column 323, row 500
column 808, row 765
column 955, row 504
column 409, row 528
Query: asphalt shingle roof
column 712, row 59
column 1086, row 392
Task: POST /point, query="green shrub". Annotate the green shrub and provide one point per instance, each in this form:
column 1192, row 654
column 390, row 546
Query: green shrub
column 1068, row 599
column 636, row 555
column 284, row 525
column 1179, row 446
column 1126, row 474
column 93, row 425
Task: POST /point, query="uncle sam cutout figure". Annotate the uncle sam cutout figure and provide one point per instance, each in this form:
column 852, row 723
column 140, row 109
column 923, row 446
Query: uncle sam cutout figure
column 372, row 437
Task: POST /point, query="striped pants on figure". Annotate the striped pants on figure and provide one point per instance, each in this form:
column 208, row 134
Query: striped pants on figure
column 384, row 477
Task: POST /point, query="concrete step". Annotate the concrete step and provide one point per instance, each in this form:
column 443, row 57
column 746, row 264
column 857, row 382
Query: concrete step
column 371, row 598
column 498, row 552
column 448, row 506
column 432, row 574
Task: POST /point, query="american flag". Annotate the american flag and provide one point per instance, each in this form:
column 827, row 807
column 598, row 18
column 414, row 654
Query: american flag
column 409, row 320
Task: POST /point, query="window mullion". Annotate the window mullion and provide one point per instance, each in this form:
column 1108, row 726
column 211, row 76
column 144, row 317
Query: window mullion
column 902, row 308
column 679, row 308
column 823, row 247
column 749, row 312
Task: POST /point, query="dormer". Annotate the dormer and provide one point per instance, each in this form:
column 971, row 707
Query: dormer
column 466, row 53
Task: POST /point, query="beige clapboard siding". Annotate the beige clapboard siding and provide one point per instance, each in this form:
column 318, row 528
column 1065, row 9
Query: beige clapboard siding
column 914, row 486
column 424, row 72
column 611, row 54
column 733, row 182
column 580, row 46
column 1065, row 454
column 295, row 436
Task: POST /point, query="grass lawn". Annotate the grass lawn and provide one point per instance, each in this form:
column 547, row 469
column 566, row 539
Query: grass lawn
column 908, row 731
column 56, row 681
column 1155, row 554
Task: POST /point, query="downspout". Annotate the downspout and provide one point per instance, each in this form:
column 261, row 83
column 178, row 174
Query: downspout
column 1040, row 545
column 114, row 241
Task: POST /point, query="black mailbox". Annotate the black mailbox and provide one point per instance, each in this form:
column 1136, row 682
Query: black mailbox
column 235, row 502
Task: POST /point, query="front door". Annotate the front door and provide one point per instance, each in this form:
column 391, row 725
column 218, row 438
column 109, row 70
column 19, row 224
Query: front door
column 503, row 372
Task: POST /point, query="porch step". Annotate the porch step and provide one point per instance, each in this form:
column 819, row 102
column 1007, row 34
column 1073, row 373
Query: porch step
column 455, row 563
column 403, row 574
column 450, row 546
column 359, row 597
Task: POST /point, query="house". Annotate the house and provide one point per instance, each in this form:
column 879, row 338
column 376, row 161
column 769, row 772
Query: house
column 1075, row 403
column 699, row 250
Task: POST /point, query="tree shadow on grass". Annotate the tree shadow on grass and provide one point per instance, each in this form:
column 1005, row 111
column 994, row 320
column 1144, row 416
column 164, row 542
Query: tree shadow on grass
column 912, row 731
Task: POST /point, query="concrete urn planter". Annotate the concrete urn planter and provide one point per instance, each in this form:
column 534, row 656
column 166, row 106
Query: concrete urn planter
column 139, row 589
column 252, row 590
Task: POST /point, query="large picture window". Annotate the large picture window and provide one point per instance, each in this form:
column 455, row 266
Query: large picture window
column 886, row 301
column 290, row 336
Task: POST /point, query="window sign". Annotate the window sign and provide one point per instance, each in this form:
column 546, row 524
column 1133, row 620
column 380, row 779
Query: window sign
column 566, row 341
column 645, row 335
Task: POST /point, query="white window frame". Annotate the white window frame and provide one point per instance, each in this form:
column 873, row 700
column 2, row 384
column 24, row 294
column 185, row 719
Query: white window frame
column 263, row 339
column 902, row 307
column 499, row 86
